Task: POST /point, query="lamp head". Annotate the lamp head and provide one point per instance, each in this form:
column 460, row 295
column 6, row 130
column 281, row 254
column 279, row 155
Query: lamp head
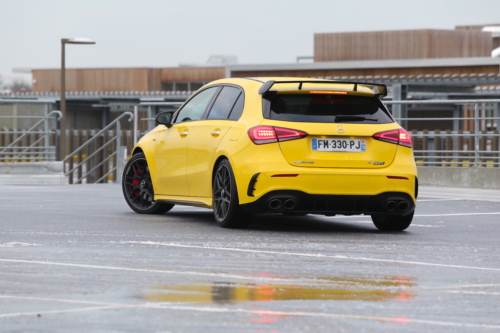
column 78, row 40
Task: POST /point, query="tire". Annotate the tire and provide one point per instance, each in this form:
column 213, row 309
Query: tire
column 227, row 211
column 392, row 222
column 138, row 188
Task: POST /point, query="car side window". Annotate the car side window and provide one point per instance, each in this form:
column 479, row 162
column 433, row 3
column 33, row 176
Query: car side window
column 195, row 108
column 224, row 103
column 237, row 108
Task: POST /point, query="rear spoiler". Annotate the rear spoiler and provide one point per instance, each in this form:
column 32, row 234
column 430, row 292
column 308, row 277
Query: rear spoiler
column 377, row 89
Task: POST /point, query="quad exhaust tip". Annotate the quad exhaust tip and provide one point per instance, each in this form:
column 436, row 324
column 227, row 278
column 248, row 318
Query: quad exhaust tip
column 290, row 204
column 403, row 206
column 275, row 204
column 391, row 205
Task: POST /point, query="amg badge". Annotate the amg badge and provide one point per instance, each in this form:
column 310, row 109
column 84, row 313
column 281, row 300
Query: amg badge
column 376, row 163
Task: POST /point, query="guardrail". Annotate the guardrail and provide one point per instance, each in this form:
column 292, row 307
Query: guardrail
column 478, row 147
column 30, row 140
column 118, row 155
column 152, row 112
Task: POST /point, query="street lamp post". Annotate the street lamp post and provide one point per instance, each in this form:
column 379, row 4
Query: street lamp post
column 62, row 129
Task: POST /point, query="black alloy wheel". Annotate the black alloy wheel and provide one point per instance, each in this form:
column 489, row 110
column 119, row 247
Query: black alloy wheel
column 222, row 192
column 138, row 187
column 227, row 211
column 386, row 222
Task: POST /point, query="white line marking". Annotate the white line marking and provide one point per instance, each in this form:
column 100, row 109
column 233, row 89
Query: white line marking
column 460, row 214
column 457, row 193
column 316, row 255
column 455, row 214
column 5, row 315
column 30, row 298
column 12, row 244
column 394, row 320
column 412, row 225
column 170, row 306
column 462, row 286
column 220, row 275
column 437, row 199
column 470, row 292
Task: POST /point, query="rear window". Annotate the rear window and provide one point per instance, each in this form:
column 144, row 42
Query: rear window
column 326, row 108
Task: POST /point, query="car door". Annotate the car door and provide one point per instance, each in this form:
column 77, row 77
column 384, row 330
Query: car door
column 205, row 136
column 171, row 148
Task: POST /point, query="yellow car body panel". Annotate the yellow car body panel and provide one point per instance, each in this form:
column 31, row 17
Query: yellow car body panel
column 182, row 168
column 203, row 141
column 171, row 160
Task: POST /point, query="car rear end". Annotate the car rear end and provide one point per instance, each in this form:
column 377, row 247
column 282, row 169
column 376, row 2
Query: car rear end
column 327, row 148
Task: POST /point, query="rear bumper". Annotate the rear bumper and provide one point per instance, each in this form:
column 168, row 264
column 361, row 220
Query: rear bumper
column 256, row 169
column 291, row 201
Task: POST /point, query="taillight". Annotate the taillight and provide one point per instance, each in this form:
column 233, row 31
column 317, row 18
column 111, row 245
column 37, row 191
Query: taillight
column 404, row 138
column 399, row 137
column 269, row 134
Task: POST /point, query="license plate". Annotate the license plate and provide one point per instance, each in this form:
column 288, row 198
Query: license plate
column 353, row 145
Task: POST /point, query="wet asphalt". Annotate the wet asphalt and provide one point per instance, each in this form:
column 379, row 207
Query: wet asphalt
column 76, row 258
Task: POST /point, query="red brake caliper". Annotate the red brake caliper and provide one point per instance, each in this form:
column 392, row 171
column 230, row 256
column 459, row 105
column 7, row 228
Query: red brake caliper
column 136, row 182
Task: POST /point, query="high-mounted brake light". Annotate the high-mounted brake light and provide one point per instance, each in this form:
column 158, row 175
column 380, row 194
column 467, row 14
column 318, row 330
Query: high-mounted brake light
column 328, row 92
column 398, row 137
column 269, row 134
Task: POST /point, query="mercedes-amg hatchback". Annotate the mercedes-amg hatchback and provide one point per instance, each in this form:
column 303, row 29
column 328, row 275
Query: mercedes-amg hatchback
column 277, row 145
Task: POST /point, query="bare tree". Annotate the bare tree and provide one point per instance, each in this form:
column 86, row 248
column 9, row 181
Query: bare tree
column 19, row 85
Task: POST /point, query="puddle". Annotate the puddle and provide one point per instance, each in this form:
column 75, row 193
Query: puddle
column 337, row 289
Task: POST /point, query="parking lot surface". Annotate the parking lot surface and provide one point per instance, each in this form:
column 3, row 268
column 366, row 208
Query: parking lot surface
column 76, row 258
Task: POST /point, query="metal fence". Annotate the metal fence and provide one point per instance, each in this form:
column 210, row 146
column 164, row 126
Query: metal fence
column 472, row 139
column 456, row 147
column 104, row 158
column 33, row 144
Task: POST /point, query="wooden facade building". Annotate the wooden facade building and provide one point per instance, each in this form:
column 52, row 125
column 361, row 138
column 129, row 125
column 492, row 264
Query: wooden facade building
column 403, row 44
column 463, row 51
column 121, row 79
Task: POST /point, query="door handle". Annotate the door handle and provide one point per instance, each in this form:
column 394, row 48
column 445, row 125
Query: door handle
column 215, row 133
column 184, row 133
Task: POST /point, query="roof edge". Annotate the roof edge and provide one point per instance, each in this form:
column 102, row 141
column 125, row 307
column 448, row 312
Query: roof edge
column 398, row 63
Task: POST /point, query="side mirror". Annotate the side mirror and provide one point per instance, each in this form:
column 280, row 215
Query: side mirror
column 165, row 118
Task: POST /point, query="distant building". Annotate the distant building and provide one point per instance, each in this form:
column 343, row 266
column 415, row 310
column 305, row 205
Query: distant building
column 464, row 50
column 415, row 64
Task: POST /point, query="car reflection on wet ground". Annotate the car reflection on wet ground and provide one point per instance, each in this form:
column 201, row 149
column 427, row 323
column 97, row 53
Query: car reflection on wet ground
column 385, row 289
column 74, row 258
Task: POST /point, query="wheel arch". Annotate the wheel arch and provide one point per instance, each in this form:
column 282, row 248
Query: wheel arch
column 148, row 151
column 237, row 179
column 137, row 150
column 214, row 169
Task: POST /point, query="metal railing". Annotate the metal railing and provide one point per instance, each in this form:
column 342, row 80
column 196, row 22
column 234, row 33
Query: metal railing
column 119, row 155
column 477, row 147
column 32, row 144
column 152, row 112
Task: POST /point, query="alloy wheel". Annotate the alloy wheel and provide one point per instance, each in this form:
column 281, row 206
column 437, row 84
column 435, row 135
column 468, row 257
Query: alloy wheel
column 138, row 186
column 222, row 192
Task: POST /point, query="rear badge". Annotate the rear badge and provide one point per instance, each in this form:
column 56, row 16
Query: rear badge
column 303, row 162
column 340, row 129
column 376, row 163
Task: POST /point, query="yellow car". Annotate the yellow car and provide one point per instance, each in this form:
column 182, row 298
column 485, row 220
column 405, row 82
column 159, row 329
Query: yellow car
column 296, row 146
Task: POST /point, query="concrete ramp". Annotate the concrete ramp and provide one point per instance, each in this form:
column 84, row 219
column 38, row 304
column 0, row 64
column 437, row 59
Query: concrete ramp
column 32, row 173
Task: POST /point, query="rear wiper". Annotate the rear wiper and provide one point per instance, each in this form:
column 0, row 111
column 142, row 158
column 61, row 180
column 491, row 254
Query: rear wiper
column 353, row 118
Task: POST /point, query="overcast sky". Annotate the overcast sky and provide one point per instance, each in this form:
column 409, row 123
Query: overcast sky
column 155, row 33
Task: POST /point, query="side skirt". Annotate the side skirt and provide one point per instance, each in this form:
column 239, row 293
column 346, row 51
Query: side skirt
column 201, row 202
